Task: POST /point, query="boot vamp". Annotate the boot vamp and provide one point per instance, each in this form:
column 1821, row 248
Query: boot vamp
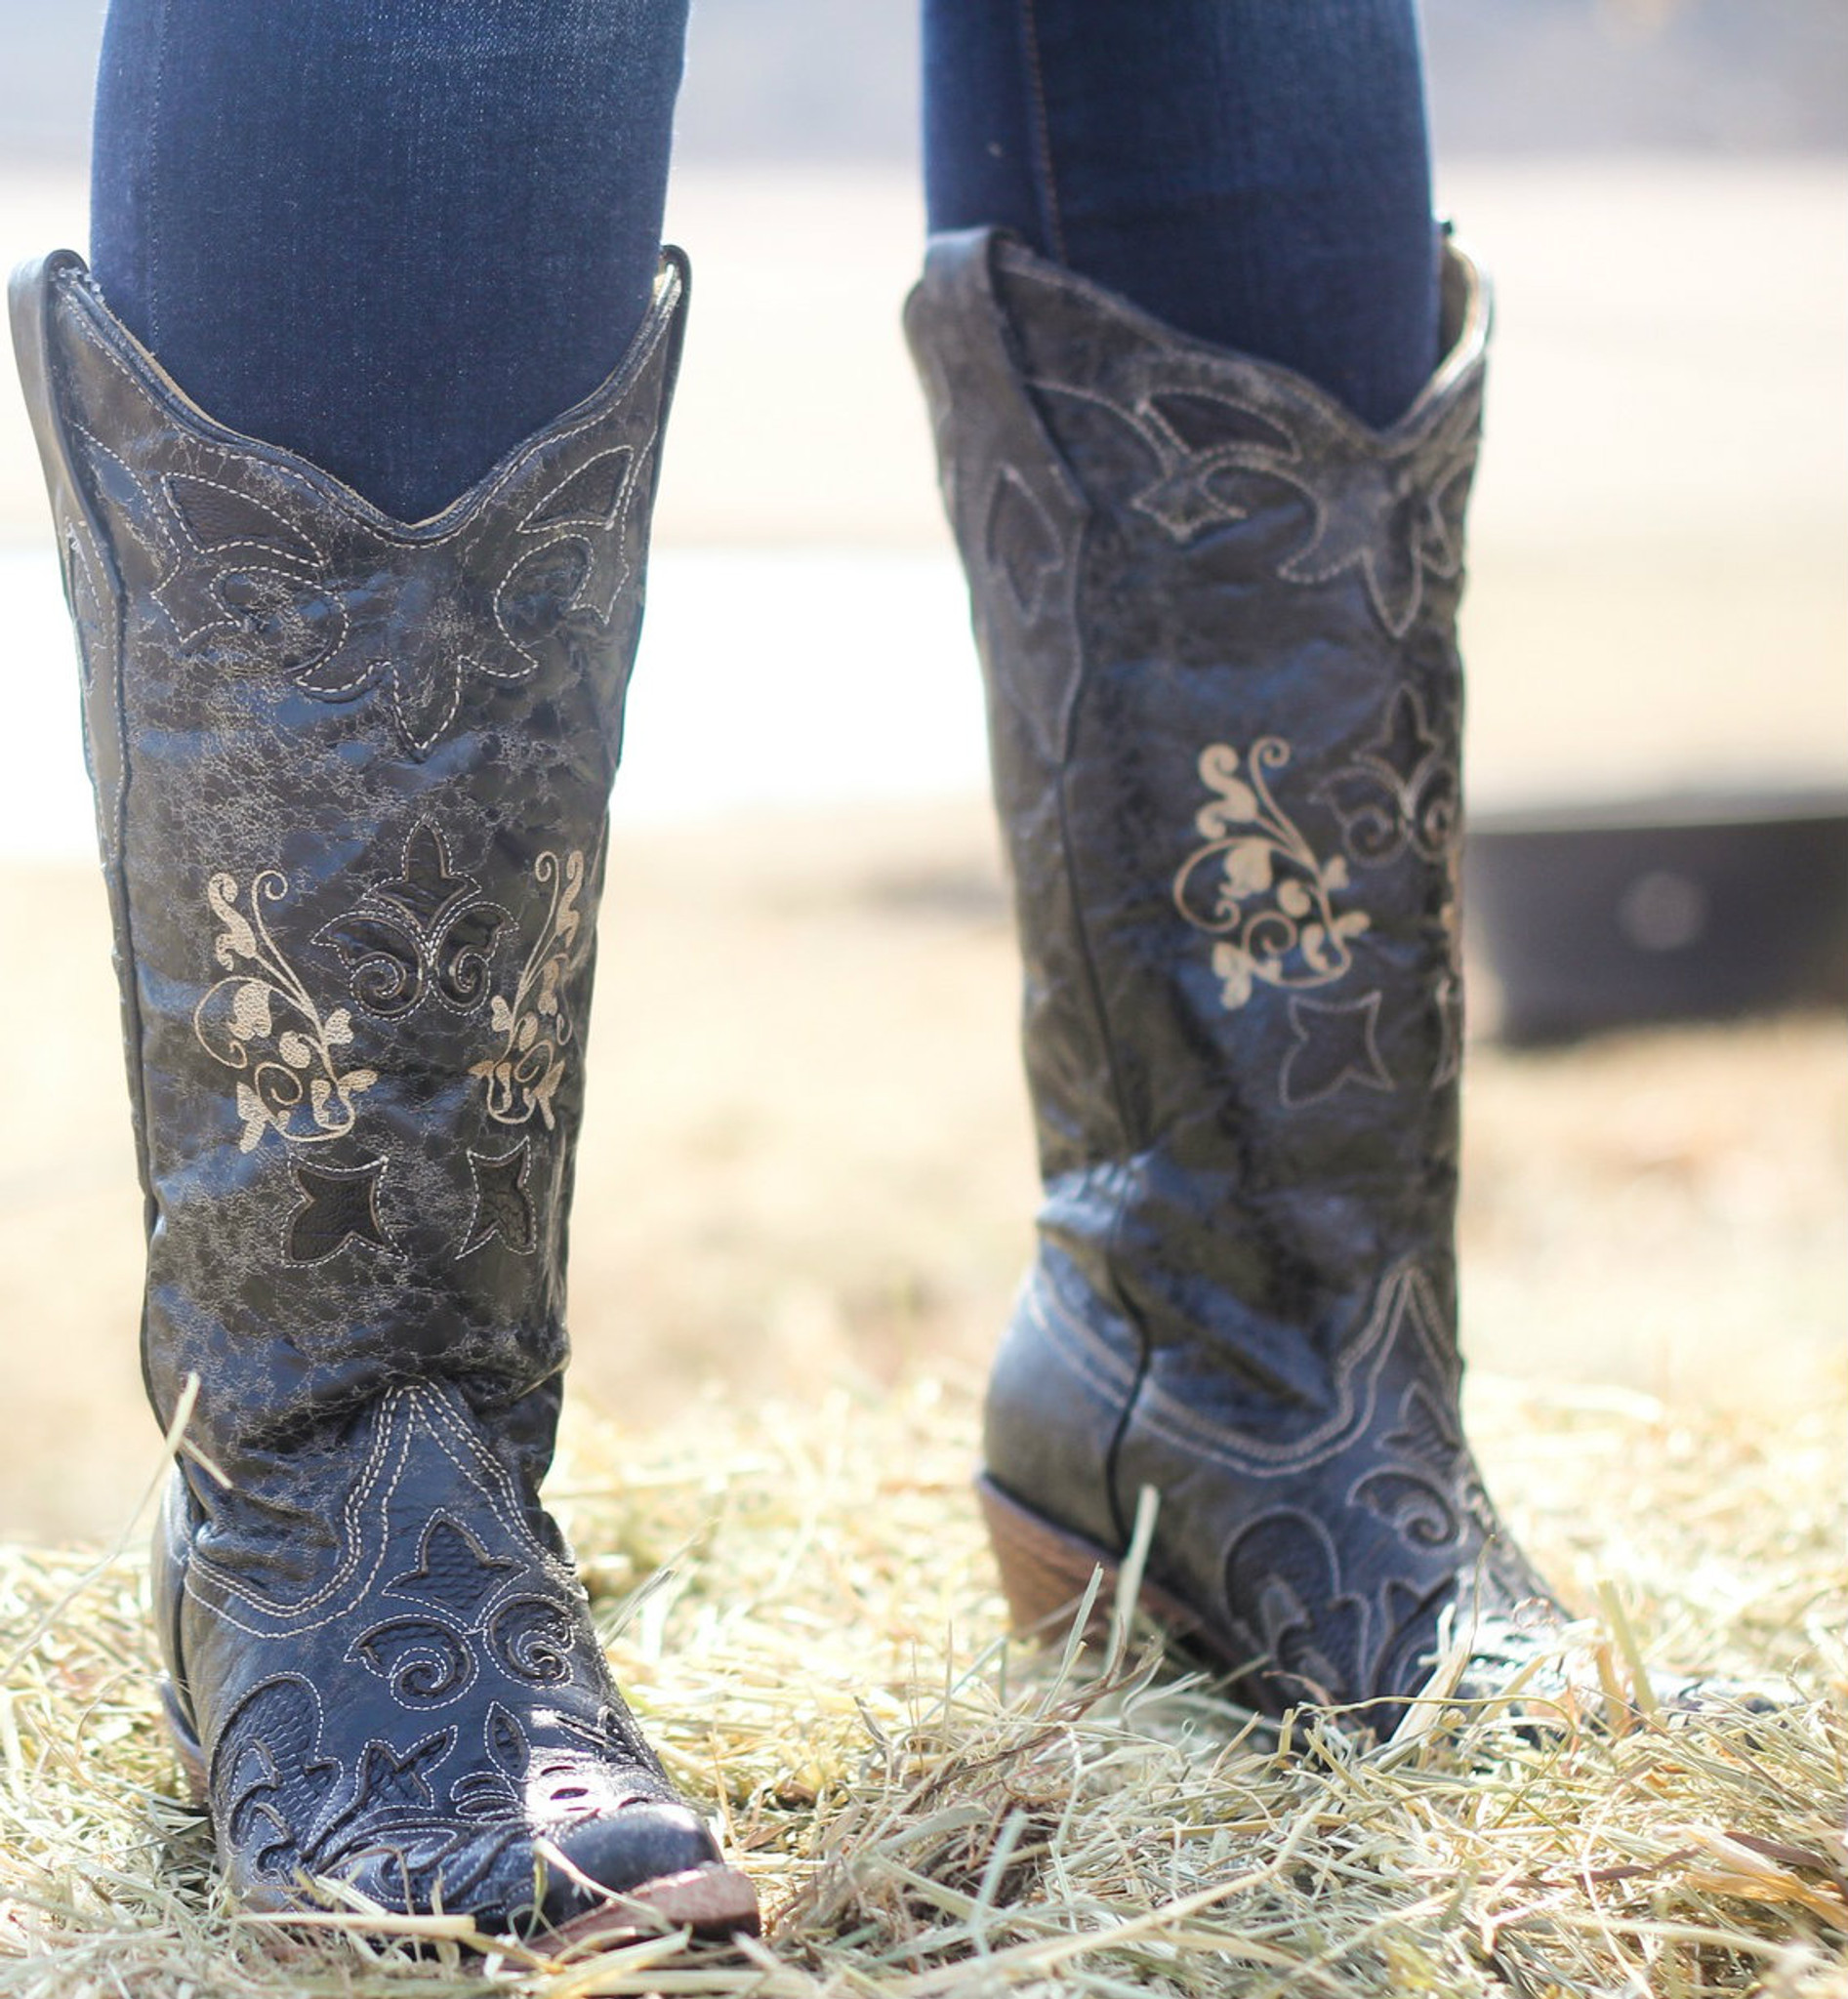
column 423, row 1712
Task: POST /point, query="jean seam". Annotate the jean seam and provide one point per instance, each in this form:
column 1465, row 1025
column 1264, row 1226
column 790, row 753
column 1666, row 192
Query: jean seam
column 157, row 207
column 1043, row 134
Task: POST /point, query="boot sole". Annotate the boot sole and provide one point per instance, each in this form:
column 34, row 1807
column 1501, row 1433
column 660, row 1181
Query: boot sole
column 1046, row 1571
column 716, row 1901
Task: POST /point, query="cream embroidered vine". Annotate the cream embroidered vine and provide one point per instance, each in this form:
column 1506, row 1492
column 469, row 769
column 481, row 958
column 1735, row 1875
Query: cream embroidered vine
column 1257, row 885
column 535, row 1025
column 260, row 1020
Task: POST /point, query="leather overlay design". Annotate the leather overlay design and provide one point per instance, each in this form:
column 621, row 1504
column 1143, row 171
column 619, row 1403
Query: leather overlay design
column 1216, row 617
column 422, row 933
column 352, row 781
column 427, row 1700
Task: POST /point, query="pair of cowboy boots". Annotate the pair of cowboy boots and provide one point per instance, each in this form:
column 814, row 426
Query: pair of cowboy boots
column 352, row 779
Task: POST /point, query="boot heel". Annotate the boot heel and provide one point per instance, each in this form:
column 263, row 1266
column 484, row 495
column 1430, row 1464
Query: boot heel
column 186, row 1743
column 1045, row 1572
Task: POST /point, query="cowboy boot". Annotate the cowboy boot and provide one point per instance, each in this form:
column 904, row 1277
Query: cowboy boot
column 351, row 782
column 1216, row 616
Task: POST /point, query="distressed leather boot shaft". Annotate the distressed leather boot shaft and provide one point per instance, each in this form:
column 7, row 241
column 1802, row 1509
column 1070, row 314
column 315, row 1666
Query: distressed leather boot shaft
column 351, row 780
column 1216, row 616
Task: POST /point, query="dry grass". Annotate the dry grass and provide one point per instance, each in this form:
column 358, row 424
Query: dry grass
column 800, row 1607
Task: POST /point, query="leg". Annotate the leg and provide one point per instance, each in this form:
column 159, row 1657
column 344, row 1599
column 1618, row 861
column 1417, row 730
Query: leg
column 1217, row 619
column 352, row 782
column 393, row 237
column 1256, row 175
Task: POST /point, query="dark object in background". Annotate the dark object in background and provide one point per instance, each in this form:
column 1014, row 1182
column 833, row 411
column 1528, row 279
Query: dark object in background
column 1677, row 908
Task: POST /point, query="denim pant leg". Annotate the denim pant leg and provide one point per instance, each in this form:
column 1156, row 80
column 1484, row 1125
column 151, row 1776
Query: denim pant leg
column 394, row 235
column 1254, row 172
column 397, row 235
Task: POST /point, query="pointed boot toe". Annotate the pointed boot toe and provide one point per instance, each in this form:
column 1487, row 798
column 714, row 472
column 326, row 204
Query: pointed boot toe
column 647, row 1865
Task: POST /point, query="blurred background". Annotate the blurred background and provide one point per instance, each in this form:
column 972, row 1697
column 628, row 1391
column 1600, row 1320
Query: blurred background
column 808, row 1155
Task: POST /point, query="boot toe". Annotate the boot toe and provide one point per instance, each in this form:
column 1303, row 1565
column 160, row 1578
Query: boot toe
column 641, row 1843
column 653, row 1862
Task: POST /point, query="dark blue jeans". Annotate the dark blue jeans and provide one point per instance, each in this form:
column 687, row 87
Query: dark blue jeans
column 398, row 235
column 1255, row 172
column 394, row 235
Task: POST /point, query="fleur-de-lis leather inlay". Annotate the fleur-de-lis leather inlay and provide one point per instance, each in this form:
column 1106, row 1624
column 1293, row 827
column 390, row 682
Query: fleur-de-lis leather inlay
column 425, row 1655
column 1225, row 435
column 273, row 586
column 275, row 1775
column 425, row 930
column 453, row 1569
column 1327, row 1605
column 1399, row 790
column 1401, row 794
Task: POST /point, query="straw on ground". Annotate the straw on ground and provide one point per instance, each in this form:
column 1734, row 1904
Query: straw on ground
column 800, row 1607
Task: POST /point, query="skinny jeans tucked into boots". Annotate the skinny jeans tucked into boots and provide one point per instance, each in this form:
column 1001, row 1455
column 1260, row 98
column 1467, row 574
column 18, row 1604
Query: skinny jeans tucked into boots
column 352, row 437
column 398, row 235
